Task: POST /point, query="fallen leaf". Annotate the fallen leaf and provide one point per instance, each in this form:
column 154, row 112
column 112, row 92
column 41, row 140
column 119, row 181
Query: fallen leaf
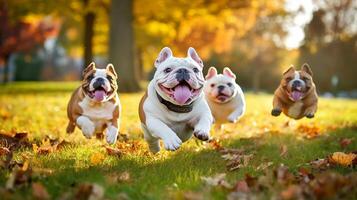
column 89, row 191
column 113, row 151
column 343, row 158
column 39, row 191
column 4, row 151
column 344, row 142
column 292, row 192
column 264, row 166
column 241, row 186
column 97, row 158
column 215, row 144
column 124, row 177
column 283, row 150
column 310, row 131
column 320, row 164
column 217, row 180
column 19, row 176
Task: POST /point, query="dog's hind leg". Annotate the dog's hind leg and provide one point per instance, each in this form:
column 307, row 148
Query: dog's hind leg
column 70, row 127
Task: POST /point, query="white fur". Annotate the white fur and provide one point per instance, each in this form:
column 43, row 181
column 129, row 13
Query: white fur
column 295, row 110
column 95, row 115
column 231, row 110
column 297, row 78
column 174, row 128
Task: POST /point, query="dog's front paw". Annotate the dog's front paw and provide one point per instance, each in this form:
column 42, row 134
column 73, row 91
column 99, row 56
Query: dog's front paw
column 172, row 143
column 111, row 134
column 232, row 119
column 88, row 130
column 310, row 115
column 276, row 112
column 202, row 135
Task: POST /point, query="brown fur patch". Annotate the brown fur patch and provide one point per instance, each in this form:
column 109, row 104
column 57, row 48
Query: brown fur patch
column 141, row 108
column 73, row 109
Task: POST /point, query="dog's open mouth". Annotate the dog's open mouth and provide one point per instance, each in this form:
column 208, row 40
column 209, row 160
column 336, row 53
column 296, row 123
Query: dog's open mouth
column 296, row 93
column 182, row 93
column 99, row 94
column 222, row 97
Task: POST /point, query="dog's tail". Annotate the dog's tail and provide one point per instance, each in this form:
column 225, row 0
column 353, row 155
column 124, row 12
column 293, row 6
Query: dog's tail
column 70, row 127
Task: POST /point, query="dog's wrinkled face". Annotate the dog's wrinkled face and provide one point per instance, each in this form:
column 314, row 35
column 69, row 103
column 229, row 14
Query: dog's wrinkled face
column 297, row 83
column 99, row 85
column 220, row 88
column 178, row 80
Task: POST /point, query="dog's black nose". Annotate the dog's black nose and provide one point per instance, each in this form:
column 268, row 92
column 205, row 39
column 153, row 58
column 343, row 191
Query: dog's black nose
column 182, row 74
column 296, row 84
column 98, row 82
column 220, row 88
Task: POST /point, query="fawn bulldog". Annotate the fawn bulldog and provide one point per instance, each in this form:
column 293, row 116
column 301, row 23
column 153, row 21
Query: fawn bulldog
column 173, row 107
column 224, row 96
column 296, row 95
column 94, row 106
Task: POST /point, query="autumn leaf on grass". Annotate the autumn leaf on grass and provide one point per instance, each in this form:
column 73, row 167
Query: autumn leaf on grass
column 97, row 158
column 90, row 191
column 264, row 166
column 39, row 191
column 19, row 176
column 343, row 158
column 344, row 142
column 4, row 151
column 113, row 151
column 217, row 180
column 310, row 130
column 320, row 164
column 215, row 144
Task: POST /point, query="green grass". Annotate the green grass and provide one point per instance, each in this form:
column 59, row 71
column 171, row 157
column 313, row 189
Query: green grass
column 40, row 110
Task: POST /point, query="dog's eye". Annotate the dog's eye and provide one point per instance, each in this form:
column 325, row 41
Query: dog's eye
column 305, row 79
column 196, row 70
column 229, row 84
column 212, row 85
column 288, row 79
column 167, row 70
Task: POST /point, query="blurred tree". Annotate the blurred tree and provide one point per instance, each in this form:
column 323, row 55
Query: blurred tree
column 121, row 45
column 329, row 44
column 21, row 36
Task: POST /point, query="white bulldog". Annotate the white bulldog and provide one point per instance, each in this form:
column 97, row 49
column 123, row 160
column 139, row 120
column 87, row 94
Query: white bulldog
column 224, row 96
column 173, row 107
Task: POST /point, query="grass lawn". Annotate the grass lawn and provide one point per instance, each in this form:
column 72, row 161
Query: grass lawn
column 40, row 110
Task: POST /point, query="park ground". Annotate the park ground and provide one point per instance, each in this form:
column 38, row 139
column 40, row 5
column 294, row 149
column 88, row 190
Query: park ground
column 261, row 157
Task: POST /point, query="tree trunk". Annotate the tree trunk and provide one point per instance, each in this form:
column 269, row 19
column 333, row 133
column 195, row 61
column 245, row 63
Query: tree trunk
column 89, row 19
column 121, row 45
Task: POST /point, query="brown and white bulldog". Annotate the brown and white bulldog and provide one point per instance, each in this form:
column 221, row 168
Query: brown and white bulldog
column 296, row 95
column 94, row 106
column 174, row 107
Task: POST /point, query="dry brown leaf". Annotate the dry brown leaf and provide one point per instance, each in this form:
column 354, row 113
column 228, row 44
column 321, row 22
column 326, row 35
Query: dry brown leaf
column 241, row 186
column 4, row 151
column 19, row 176
column 283, row 150
column 320, row 164
column 292, row 192
column 344, row 142
column 113, row 151
column 39, row 191
column 97, row 158
column 264, row 166
column 89, row 191
column 310, row 130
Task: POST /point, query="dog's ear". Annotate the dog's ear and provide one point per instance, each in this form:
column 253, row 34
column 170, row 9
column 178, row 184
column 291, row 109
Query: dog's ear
column 191, row 53
column 212, row 71
column 306, row 68
column 110, row 68
column 290, row 70
column 228, row 72
column 89, row 68
column 164, row 54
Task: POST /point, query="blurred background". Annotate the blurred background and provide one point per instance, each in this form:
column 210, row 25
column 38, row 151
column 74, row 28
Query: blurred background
column 258, row 39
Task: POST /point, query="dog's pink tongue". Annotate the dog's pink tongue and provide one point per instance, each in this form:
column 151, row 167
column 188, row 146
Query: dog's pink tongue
column 182, row 93
column 99, row 95
column 296, row 95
